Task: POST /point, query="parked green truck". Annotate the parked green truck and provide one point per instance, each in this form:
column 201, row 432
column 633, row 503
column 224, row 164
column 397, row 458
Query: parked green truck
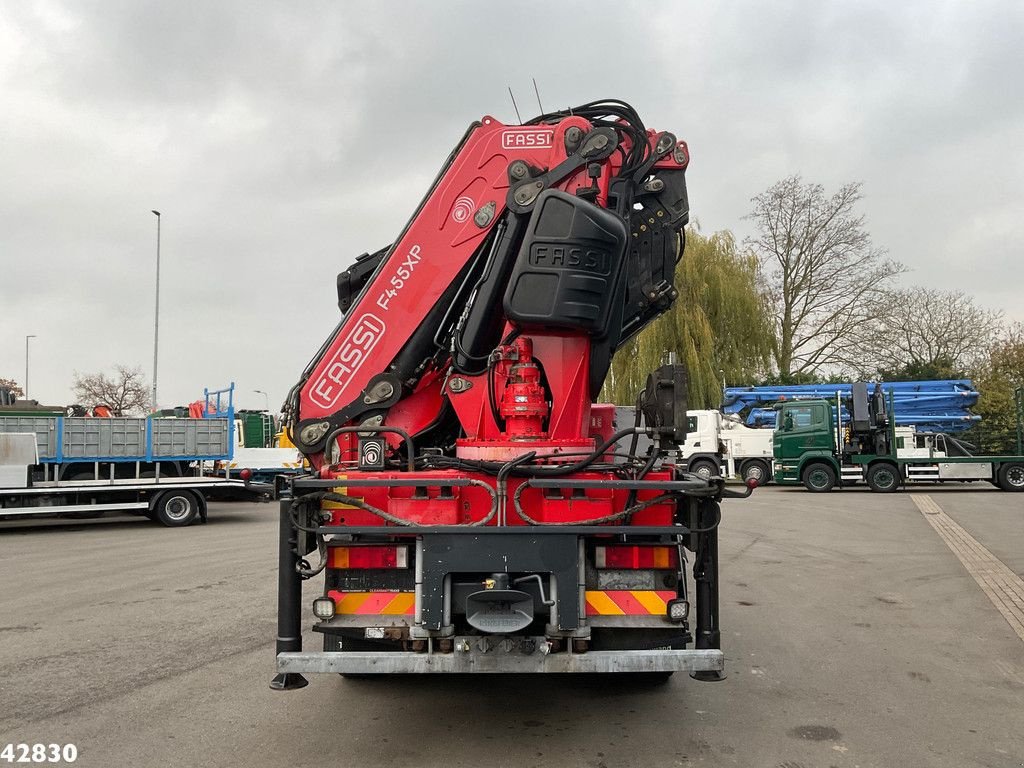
column 813, row 448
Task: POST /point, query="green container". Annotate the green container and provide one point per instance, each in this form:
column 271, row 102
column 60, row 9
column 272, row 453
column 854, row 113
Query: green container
column 258, row 429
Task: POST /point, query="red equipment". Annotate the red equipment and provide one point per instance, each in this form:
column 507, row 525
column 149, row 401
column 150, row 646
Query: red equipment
column 456, row 393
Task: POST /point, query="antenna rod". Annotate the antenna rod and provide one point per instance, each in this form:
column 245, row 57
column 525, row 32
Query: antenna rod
column 538, row 95
column 514, row 105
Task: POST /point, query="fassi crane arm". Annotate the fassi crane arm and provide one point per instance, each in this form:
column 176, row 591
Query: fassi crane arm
column 432, row 303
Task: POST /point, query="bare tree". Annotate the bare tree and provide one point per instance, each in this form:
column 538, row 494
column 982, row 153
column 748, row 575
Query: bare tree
column 825, row 278
column 124, row 393
column 12, row 386
column 926, row 330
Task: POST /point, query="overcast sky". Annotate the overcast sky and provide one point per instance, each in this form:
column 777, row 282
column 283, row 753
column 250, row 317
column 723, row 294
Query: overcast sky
column 281, row 140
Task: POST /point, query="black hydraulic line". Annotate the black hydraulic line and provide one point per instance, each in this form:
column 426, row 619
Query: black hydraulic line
column 652, row 457
column 479, row 328
column 389, row 482
column 289, row 598
column 610, row 518
column 308, row 573
column 645, row 531
column 697, row 486
column 492, row 468
column 343, row 498
column 502, row 483
column 492, row 400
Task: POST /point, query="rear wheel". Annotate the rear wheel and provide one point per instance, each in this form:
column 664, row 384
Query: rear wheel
column 705, row 468
column 176, row 509
column 755, row 470
column 1011, row 477
column 819, row 477
column 883, row 477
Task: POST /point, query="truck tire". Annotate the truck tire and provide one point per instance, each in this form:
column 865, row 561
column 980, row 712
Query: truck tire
column 819, row 477
column 1011, row 477
column 757, row 470
column 176, row 509
column 883, row 477
column 705, row 468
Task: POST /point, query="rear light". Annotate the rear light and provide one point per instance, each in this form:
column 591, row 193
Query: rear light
column 627, row 557
column 369, row 556
column 245, row 474
column 323, row 608
column 678, row 610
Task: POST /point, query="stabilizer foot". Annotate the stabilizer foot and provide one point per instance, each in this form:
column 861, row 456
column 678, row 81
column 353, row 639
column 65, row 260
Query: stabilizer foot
column 288, row 681
column 709, row 677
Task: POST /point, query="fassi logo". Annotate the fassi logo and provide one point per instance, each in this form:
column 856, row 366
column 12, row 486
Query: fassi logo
column 527, row 137
column 346, row 361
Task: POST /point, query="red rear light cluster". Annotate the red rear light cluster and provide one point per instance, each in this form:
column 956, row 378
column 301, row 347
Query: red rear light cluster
column 369, row 556
column 636, row 557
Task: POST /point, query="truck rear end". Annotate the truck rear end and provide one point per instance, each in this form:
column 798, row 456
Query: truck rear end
column 470, row 507
column 546, row 575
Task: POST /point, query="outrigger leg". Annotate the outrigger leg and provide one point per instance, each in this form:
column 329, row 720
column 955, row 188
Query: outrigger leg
column 705, row 575
column 289, row 598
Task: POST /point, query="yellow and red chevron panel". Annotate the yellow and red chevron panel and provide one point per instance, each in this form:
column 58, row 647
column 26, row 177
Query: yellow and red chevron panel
column 373, row 603
column 628, row 602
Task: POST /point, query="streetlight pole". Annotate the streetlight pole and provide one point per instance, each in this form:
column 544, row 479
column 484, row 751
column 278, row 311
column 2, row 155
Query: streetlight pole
column 30, row 336
column 266, row 399
column 156, row 321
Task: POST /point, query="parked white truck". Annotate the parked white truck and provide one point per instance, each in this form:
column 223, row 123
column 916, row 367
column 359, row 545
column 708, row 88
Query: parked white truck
column 719, row 444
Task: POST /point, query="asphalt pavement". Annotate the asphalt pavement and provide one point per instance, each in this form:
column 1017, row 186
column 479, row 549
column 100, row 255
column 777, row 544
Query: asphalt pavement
column 854, row 637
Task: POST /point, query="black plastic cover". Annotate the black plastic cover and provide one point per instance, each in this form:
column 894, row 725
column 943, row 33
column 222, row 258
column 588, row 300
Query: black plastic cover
column 568, row 267
column 656, row 225
column 352, row 280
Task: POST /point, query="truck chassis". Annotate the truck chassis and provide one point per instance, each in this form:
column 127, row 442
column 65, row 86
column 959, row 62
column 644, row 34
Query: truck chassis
column 428, row 642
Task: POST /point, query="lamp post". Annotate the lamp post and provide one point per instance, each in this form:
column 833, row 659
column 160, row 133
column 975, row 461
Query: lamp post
column 30, row 336
column 266, row 399
column 156, row 321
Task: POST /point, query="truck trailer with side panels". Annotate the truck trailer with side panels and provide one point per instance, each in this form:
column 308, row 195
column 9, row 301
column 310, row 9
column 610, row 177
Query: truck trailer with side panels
column 82, row 467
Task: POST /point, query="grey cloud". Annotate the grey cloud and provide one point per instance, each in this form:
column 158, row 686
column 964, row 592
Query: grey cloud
column 280, row 141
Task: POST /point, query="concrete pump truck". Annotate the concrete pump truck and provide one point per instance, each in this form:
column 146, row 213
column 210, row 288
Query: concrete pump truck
column 467, row 506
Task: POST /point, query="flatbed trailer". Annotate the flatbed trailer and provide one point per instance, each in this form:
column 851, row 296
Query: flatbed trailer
column 54, row 465
column 1005, row 472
